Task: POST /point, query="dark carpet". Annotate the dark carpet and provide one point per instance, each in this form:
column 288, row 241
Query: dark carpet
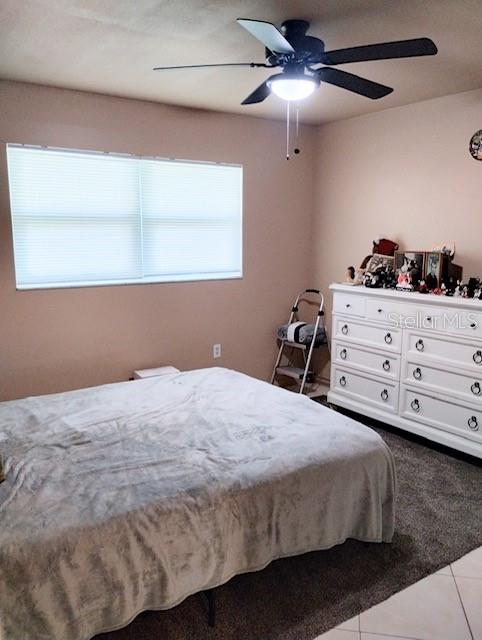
column 439, row 519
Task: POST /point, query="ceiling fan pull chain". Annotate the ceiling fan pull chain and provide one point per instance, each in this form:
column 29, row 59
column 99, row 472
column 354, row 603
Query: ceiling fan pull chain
column 297, row 149
column 288, row 130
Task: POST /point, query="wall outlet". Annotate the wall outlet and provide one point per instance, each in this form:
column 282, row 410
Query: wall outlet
column 216, row 350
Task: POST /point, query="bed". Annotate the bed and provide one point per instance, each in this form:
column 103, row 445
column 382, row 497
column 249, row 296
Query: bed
column 132, row 496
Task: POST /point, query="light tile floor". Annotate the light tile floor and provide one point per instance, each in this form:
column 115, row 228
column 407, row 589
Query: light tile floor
column 444, row 606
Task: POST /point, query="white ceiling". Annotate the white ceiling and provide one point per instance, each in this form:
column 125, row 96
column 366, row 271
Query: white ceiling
column 110, row 46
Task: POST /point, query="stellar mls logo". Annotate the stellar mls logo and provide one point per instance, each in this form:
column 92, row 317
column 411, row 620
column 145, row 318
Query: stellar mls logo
column 444, row 321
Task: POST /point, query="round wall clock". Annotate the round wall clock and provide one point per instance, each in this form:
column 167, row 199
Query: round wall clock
column 475, row 145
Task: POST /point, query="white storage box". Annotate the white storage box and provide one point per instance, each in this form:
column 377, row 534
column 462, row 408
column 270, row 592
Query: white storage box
column 157, row 371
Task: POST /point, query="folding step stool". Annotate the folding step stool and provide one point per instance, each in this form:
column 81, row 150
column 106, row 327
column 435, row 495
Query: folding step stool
column 301, row 375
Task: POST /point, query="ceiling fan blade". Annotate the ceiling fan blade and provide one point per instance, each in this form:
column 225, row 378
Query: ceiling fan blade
column 260, row 93
column 382, row 51
column 353, row 83
column 227, row 64
column 268, row 34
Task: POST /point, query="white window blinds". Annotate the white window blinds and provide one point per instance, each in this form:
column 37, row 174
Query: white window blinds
column 84, row 219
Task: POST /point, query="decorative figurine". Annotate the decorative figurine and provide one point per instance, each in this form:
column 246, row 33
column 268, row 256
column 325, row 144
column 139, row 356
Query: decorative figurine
column 350, row 275
column 403, row 280
column 409, row 275
column 390, row 280
column 445, row 247
column 354, row 276
column 423, row 287
column 451, row 286
column 431, row 281
column 473, row 284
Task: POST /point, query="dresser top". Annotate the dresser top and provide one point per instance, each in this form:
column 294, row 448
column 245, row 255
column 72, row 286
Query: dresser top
column 405, row 296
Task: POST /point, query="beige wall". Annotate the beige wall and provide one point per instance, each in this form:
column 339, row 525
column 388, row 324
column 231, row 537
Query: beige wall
column 61, row 339
column 405, row 173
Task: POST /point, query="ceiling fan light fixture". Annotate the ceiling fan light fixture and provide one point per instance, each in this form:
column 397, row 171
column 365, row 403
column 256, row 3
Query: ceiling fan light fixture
column 293, row 88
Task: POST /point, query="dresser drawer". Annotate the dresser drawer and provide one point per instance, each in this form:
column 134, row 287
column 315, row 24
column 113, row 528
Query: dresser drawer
column 359, row 387
column 389, row 311
column 385, row 338
column 445, row 349
column 467, row 387
column 386, row 365
column 442, row 414
column 446, row 320
column 349, row 304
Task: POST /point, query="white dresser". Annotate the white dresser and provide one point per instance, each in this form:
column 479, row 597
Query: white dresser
column 410, row 360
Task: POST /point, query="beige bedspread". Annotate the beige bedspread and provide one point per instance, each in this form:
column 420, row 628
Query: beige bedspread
column 133, row 496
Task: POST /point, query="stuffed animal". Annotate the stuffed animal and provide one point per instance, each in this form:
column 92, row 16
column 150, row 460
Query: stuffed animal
column 381, row 277
column 372, row 279
column 384, row 246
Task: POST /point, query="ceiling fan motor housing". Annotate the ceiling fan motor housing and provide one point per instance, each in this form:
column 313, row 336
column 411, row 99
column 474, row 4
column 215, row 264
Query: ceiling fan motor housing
column 294, row 28
column 308, row 50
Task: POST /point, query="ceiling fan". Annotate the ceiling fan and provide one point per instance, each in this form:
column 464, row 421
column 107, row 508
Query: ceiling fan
column 298, row 54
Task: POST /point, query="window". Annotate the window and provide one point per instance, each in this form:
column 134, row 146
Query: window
column 83, row 219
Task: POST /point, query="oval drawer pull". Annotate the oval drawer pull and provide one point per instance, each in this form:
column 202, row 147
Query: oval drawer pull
column 477, row 357
column 348, row 305
column 384, row 395
column 342, row 381
column 380, row 310
column 388, row 338
column 417, row 373
column 475, row 388
column 415, row 404
column 419, row 346
column 343, row 354
column 386, row 365
column 344, row 329
column 473, row 423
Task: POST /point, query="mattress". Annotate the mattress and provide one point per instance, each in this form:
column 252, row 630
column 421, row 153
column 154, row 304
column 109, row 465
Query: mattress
column 133, row 496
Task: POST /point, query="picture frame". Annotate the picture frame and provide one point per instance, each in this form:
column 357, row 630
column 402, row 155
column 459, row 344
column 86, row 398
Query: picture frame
column 378, row 259
column 402, row 257
column 409, row 269
column 435, row 267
